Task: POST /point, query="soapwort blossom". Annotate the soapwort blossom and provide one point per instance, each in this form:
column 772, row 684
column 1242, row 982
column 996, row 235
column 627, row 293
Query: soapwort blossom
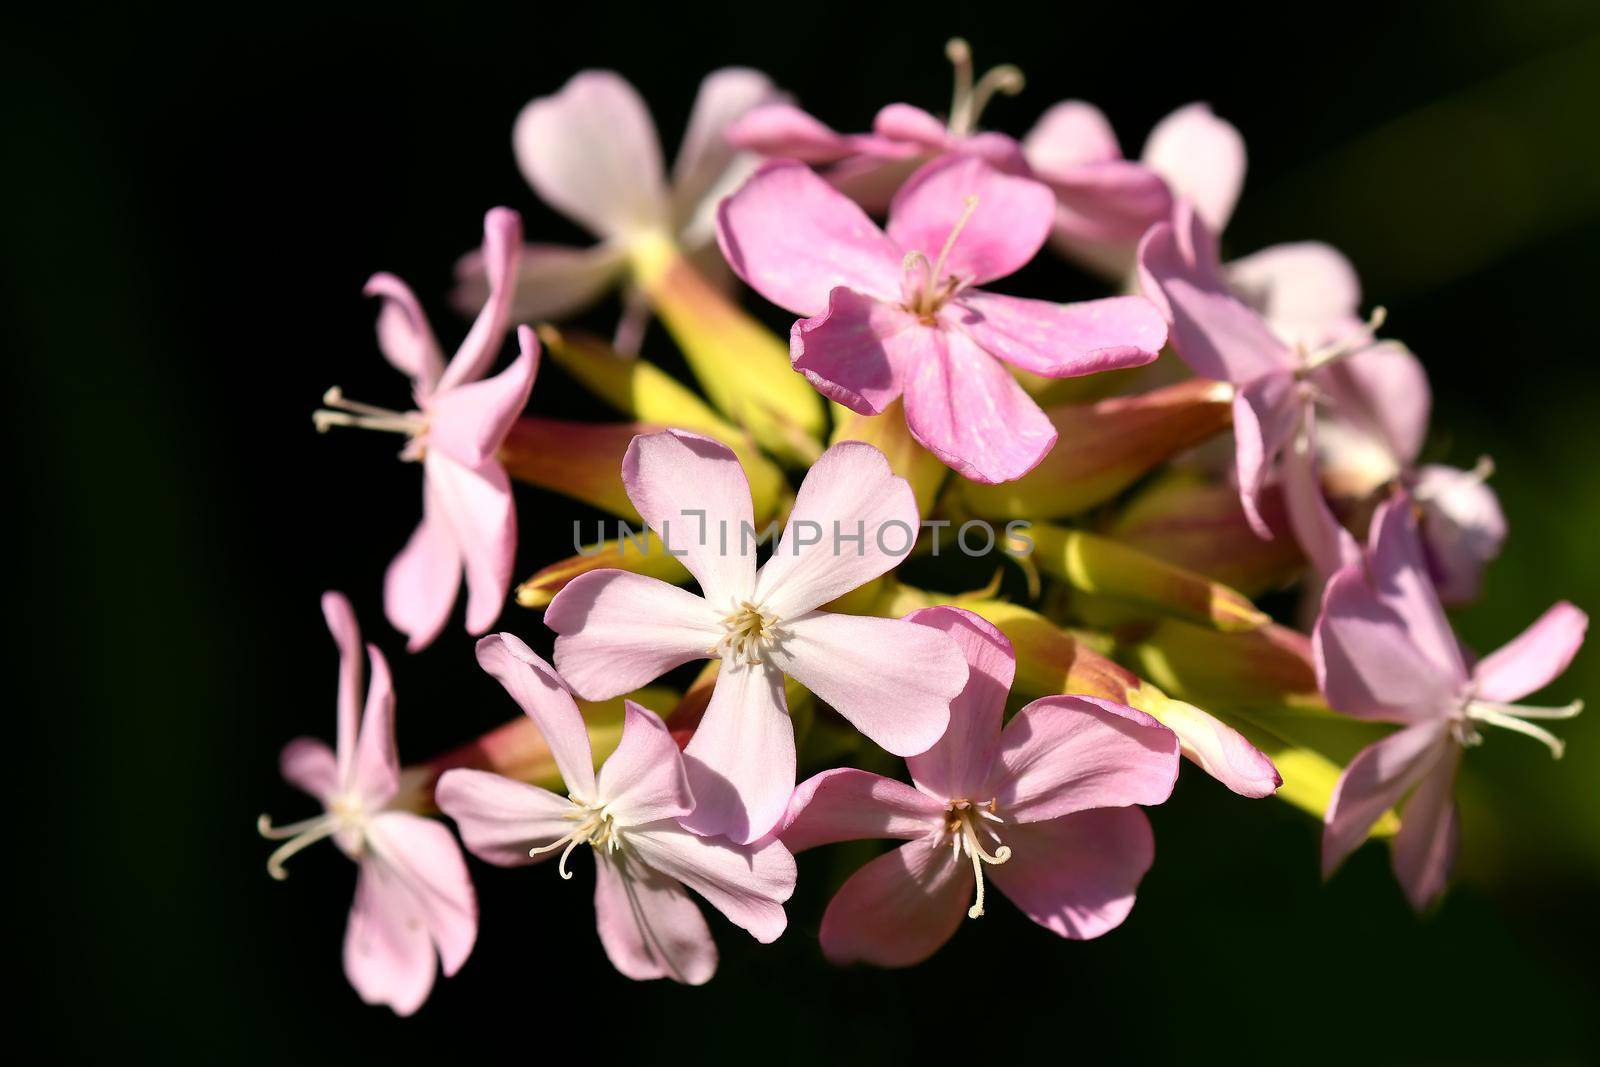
column 1043, row 808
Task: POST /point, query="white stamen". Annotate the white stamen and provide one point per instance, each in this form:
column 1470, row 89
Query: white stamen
column 934, row 289
column 1515, row 717
column 964, row 838
column 343, row 412
column 596, row 827
column 748, row 631
column 967, row 101
column 300, row 835
column 1359, row 341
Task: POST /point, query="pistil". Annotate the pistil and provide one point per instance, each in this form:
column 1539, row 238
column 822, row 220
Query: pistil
column 926, row 296
column 1514, row 717
column 968, row 100
column 596, row 827
column 964, row 820
column 298, row 836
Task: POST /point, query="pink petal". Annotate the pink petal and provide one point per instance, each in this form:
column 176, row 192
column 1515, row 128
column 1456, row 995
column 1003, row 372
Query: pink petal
column 902, row 122
column 1384, row 391
column 1003, row 232
column 1202, row 158
column 1307, row 291
column 784, row 131
column 553, row 281
column 741, row 758
column 1076, row 876
column 476, row 503
column 846, row 804
column 1065, row 754
column 1375, row 781
column 1067, row 136
column 644, row 780
column 470, row 422
column 1266, row 416
column 1368, row 664
column 590, row 151
column 694, row 494
column 1062, row 340
column 1430, row 831
column 388, row 953
column 1463, row 529
column 704, row 157
column 849, row 492
column 1320, row 535
column 855, row 350
column 540, row 692
column 404, row 336
column 620, row 631
column 1221, row 751
column 499, row 819
column 747, row 883
column 375, row 771
column 899, row 909
column 1534, row 658
column 1110, row 202
column 650, row 927
column 793, row 238
column 894, row 680
column 419, row 588
column 341, row 620
column 309, row 765
column 957, row 766
column 428, row 862
column 966, row 408
column 1218, row 336
column 502, row 246
column 1399, row 573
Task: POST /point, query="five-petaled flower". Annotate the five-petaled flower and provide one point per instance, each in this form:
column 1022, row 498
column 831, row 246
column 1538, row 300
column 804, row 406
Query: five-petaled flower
column 459, row 423
column 413, row 897
column 628, row 814
column 852, row 520
column 897, row 313
column 1044, row 808
column 1384, row 651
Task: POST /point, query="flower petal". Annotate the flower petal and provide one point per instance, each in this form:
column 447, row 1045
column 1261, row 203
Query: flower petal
column 694, row 494
column 502, row 247
column 1110, row 202
column 1323, row 539
column 375, row 771
column 1003, row 231
column 419, row 588
column 309, row 765
column 1534, row 658
column 341, row 620
column 404, row 336
column 1307, row 291
column 1430, row 831
column 1399, row 573
column 1368, row 664
column 425, row 857
column 476, row 503
column 854, row 351
column 966, row 408
column 1384, row 391
column 1062, row 340
column 1375, row 781
column 892, row 679
column 957, row 766
column 899, row 909
column 620, row 631
column 784, row 131
column 747, row 883
column 553, row 281
column 704, row 157
column 644, row 780
column 793, row 238
column 1266, row 414
column 1065, row 754
column 1463, row 529
column 388, row 953
column 1069, row 135
column 540, row 692
column 1076, row 876
column 500, row 819
column 470, row 422
column 741, row 758
column 590, row 151
column 846, row 804
column 853, row 520
column 650, row 927
column 1202, row 158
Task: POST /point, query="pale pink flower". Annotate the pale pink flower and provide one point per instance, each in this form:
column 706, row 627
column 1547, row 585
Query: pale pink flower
column 1043, row 808
column 591, row 152
column 628, row 814
column 1384, row 651
column 455, row 432
column 413, row 897
column 896, row 313
column 852, row 520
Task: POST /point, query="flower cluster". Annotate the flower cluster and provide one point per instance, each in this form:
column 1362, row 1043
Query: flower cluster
column 838, row 695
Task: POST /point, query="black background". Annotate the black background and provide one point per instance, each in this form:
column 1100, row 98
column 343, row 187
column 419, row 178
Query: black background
column 193, row 204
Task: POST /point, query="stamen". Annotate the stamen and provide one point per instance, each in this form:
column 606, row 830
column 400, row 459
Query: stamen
column 300, row 835
column 971, row 205
column 597, row 828
column 343, row 412
column 1359, row 341
column 1005, row 78
column 968, row 101
column 964, row 838
column 748, row 631
column 959, row 53
column 1515, row 717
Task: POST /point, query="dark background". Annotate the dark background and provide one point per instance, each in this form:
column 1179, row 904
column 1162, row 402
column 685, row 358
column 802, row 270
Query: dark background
column 192, row 206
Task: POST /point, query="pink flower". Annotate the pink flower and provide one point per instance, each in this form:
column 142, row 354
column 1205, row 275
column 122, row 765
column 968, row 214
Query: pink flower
column 591, row 152
column 852, row 521
column 455, row 432
column 869, row 167
column 1384, row 651
column 629, row 814
column 892, row 314
column 1105, row 203
column 413, row 896
column 1043, row 808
